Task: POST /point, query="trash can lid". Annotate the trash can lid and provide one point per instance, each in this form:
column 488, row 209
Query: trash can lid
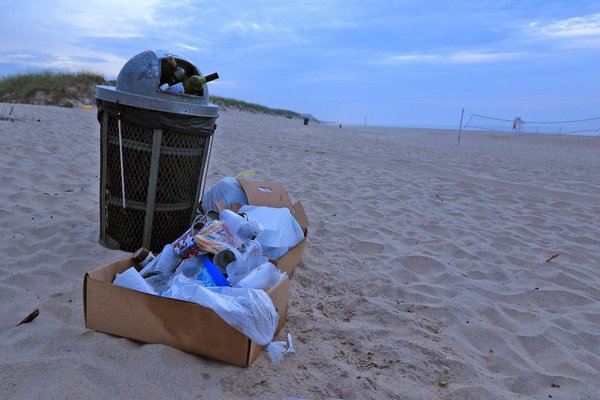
column 138, row 86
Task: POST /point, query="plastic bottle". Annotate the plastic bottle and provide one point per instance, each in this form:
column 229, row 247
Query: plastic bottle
column 214, row 272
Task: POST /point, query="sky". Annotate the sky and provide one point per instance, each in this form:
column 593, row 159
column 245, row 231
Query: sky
column 391, row 63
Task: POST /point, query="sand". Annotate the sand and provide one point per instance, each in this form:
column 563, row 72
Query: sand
column 425, row 276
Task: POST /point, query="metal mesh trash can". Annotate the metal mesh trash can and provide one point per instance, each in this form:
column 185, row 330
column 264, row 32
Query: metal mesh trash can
column 154, row 153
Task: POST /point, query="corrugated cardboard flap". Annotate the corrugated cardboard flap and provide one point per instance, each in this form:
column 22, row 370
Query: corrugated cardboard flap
column 266, row 193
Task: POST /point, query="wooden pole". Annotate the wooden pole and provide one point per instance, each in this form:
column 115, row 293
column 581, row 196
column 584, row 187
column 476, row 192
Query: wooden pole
column 462, row 114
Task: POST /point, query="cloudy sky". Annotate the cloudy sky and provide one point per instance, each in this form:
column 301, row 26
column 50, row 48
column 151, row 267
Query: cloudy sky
column 395, row 62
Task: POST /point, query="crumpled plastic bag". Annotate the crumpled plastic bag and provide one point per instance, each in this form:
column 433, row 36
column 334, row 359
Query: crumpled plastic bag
column 227, row 190
column 280, row 232
column 250, row 311
column 276, row 351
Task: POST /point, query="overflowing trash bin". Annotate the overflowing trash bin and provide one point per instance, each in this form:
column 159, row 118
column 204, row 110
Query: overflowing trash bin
column 156, row 131
column 233, row 261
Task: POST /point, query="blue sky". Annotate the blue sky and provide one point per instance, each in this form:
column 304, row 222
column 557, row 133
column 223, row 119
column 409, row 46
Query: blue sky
column 402, row 63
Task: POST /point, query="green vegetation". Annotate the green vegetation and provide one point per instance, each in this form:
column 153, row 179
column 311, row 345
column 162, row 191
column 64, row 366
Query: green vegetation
column 72, row 89
column 50, row 88
column 242, row 105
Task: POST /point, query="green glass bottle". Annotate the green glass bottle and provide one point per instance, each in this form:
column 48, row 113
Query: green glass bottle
column 195, row 83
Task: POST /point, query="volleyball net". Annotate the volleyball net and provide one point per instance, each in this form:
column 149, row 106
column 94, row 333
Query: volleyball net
column 587, row 126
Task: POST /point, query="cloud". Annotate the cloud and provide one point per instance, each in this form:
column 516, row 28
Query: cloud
column 84, row 60
column 187, row 46
column 226, row 84
column 110, row 18
column 248, row 26
column 262, row 32
column 451, row 58
column 576, row 27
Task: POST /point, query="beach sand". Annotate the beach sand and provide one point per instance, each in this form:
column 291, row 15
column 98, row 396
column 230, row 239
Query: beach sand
column 425, row 275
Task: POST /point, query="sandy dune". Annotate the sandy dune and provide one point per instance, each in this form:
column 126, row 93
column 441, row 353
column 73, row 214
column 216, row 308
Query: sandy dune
column 425, row 275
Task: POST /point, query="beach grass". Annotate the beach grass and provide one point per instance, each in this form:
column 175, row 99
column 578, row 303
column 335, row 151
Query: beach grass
column 50, row 87
column 252, row 107
column 67, row 89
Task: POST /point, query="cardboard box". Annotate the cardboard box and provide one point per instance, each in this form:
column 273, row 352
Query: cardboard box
column 273, row 194
column 180, row 324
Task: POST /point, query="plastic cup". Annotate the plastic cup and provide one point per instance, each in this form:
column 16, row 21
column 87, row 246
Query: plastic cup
column 262, row 277
column 239, row 227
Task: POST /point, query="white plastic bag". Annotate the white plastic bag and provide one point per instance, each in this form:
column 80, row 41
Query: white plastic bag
column 131, row 279
column 280, row 232
column 250, row 311
column 227, row 190
column 262, row 277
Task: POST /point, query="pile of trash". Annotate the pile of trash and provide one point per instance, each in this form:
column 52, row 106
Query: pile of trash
column 222, row 262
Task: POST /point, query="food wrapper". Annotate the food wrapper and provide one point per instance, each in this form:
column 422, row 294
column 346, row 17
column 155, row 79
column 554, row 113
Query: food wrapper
column 213, row 238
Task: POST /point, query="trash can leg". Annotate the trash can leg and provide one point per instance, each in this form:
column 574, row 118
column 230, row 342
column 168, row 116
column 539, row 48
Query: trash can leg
column 152, row 179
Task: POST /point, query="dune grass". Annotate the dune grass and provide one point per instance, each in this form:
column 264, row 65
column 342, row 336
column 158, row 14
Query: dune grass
column 50, row 87
column 252, row 107
column 69, row 88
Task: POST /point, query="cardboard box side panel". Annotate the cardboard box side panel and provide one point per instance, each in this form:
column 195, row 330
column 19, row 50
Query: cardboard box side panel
column 153, row 319
column 280, row 295
column 290, row 260
column 300, row 215
column 254, row 352
column 199, row 330
column 85, row 280
column 179, row 324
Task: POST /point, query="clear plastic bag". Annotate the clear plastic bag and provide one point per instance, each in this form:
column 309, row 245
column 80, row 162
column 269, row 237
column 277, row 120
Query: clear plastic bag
column 250, row 311
column 276, row 351
column 193, row 268
column 227, row 190
column 160, row 283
